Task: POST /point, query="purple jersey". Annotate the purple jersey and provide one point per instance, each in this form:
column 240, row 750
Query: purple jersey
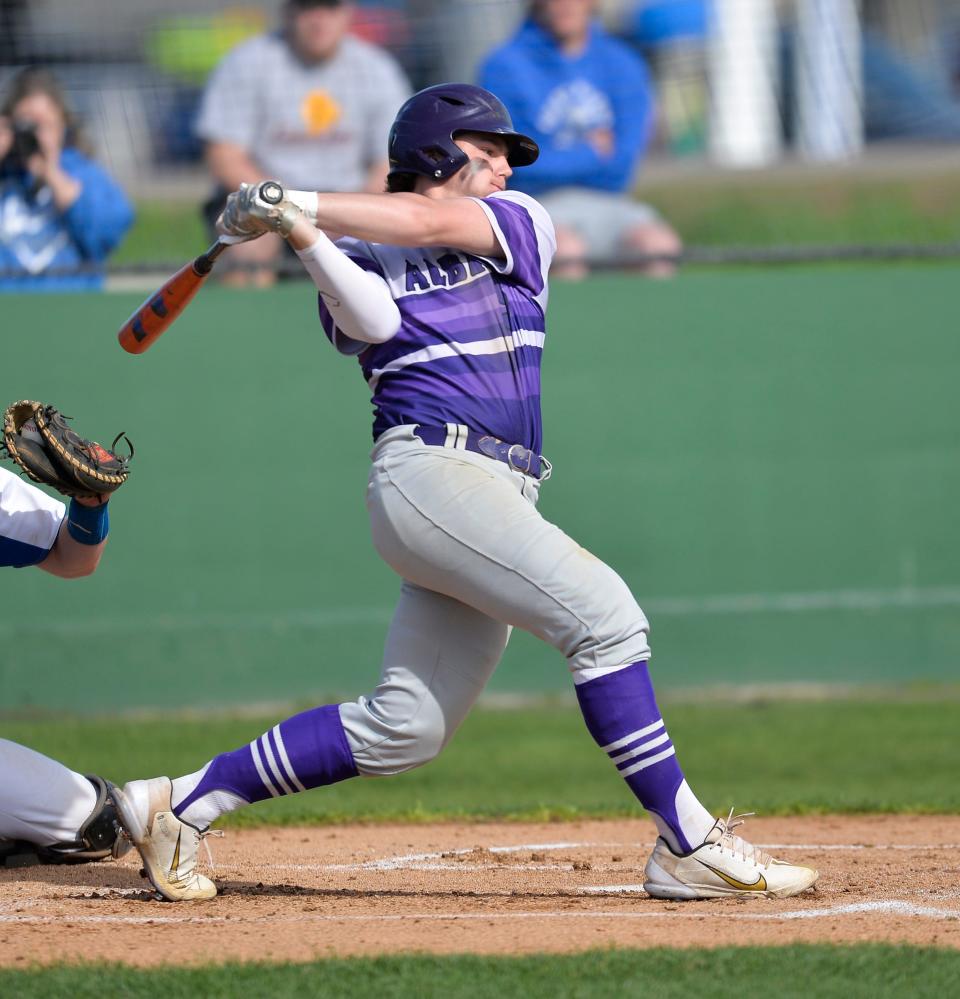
column 472, row 329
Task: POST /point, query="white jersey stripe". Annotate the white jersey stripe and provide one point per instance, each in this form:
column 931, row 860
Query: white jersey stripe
column 272, row 763
column 633, row 736
column 435, row 351
column 258, row 763
column 643, row 764
column 285, row 760
column 529, row 338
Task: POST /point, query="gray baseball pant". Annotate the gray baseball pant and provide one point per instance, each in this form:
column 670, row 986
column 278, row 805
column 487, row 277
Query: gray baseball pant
column 477, row 559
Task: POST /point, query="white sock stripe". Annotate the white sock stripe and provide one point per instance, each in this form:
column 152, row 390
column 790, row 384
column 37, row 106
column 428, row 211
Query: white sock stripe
column 633, row 736
column 643, row 764
column 642, row 748
column 258, row 763
column 272, row 763
column 285, row 760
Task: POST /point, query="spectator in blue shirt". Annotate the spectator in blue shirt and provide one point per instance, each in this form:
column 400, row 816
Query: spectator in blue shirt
column 586, row 98
column 61, row 214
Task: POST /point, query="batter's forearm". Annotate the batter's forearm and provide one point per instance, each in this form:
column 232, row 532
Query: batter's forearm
column 401, row 219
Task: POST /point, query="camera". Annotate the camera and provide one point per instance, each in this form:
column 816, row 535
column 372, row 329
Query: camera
column 24, row 143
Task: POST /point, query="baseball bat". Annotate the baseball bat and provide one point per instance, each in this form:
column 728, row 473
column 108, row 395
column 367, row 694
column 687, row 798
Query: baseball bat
column 152, row 319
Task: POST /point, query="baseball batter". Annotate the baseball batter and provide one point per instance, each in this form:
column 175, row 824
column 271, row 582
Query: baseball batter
column 48, row 813
column 440, row 291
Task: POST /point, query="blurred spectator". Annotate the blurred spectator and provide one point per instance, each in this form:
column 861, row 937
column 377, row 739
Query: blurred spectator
column 586, row 98
column 309, row 105
column 59, row 210
column 671, row 35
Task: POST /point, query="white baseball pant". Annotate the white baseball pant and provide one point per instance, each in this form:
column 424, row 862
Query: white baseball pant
column 41, row 801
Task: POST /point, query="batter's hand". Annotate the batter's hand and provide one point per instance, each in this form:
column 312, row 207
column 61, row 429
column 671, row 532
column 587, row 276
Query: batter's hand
column 256, row 209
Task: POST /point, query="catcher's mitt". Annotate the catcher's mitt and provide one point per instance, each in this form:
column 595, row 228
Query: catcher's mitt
column 39, row 440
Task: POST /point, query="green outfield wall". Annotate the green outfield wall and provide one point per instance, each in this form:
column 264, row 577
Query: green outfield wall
column 770, row 458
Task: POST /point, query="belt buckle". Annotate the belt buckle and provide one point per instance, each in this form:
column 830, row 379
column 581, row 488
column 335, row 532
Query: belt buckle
column 516, row 466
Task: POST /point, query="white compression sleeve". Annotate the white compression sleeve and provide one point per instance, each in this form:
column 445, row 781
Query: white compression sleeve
column 360, row 302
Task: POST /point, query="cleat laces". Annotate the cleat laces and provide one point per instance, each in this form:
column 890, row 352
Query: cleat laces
column 219, row 834
column 736, row 844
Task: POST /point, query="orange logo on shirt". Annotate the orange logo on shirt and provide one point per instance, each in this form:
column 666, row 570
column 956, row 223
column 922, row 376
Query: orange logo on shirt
column 320, row 112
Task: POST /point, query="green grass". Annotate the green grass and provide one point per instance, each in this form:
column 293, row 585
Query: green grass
column 540, row 764
column 787, row 972
column 164, row 232
column 785, row 211
column 834, row 210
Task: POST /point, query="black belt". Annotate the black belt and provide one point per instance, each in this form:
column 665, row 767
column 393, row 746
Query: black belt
column 459, row 437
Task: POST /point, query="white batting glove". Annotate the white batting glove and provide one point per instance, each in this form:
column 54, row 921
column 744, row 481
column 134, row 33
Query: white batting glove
column 258, row 208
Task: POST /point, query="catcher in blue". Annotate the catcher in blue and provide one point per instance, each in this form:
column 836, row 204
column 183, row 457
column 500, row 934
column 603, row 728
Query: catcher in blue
column 50, row 814
column 439, row 290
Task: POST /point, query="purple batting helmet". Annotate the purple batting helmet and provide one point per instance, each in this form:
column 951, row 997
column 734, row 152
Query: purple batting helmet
column 421, row 139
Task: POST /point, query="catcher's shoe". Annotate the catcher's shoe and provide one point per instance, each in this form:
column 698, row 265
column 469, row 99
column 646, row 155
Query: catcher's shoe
column 99, row 838
column 722, row 866
column 167, row 846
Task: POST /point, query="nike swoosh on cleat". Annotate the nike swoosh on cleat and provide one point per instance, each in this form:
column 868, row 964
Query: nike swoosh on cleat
column 759, row 885
column 175, row 862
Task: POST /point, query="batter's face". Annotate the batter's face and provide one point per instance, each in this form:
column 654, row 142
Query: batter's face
column 487, row 170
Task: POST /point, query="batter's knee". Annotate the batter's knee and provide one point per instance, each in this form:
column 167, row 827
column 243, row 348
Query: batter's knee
column 614, row 629
column 385, row 743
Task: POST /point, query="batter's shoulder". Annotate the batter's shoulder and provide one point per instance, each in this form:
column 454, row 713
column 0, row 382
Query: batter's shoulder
column 529, row 205
column 520, row 198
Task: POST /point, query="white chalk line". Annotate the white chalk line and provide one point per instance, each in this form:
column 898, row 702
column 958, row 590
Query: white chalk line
column 429, row 861
column 331, row 618
column 828, row 912
column 411, row 861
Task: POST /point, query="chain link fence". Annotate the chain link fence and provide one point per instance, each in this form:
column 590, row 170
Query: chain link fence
column 772, row 116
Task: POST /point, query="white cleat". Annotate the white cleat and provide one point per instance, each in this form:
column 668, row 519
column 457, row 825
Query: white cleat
column 723, row 866
column 167, row 846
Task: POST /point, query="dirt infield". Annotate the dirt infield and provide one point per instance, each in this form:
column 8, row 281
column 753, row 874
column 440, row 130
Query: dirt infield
column 484, row 888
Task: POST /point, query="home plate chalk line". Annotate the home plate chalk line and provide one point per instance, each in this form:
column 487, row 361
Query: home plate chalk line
column 897, row 907
column 433, row 861
column 12, row 912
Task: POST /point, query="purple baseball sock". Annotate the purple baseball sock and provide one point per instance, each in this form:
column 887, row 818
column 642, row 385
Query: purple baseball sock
column 621, row 713
column 305, row 751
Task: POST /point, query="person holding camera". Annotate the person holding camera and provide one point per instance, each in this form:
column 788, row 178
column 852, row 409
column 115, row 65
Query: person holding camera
column 61, row 213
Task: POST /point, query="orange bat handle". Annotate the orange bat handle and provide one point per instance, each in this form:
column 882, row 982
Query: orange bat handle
column 160, row 310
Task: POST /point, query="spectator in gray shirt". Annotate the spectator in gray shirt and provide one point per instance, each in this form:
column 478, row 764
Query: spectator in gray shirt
column 309, row 105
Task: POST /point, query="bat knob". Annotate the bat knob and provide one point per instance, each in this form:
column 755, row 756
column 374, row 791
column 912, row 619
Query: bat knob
column 271, row 192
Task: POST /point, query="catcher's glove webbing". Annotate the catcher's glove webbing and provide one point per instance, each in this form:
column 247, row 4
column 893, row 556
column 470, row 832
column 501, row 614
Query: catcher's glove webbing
column 39, row 440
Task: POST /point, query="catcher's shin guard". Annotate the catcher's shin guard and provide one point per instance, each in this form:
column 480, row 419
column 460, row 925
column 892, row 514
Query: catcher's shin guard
column 99, row 838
